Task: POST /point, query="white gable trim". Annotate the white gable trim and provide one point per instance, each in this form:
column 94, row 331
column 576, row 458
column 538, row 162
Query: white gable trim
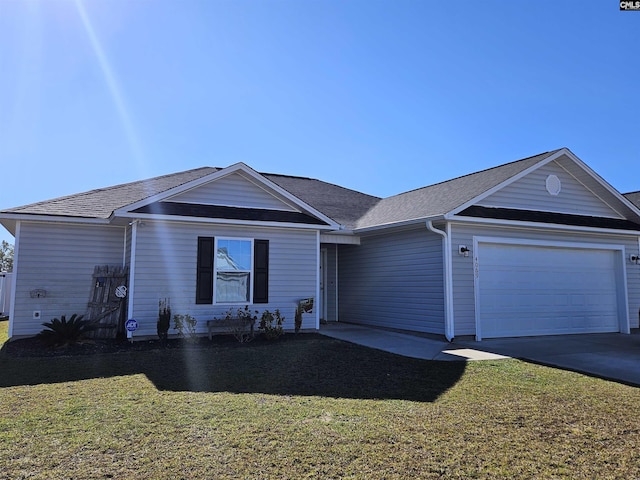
column 258, row 179
column 593, row 174
column 551, row 158
column 602, row 182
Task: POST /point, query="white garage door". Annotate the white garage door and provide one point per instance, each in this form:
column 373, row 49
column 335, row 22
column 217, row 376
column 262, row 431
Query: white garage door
column 533, row 290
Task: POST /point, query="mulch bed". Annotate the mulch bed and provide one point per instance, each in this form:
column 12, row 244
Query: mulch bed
column 35, row 347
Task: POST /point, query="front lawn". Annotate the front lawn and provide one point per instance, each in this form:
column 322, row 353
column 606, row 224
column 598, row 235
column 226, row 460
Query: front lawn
column 308, row 407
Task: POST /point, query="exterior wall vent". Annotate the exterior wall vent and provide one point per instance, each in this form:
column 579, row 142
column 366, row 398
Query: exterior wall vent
column 553, row 185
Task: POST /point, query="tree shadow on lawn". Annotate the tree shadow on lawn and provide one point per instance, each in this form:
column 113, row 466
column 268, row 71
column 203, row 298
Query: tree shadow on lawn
column 306, row 364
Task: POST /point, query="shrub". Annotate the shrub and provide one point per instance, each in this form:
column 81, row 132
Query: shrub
column 164, row 320
column 271, row 331
column 62, row 332
column 241, row 323
column 186, row 326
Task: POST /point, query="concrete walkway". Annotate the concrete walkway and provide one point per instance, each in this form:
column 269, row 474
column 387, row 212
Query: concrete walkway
column 416, row 346
column 612, row 356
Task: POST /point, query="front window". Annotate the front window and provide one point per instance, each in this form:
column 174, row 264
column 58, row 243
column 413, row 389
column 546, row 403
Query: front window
column 233, row 270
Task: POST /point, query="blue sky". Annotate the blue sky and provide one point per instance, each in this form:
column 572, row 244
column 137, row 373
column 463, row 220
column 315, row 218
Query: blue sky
column 378, row 96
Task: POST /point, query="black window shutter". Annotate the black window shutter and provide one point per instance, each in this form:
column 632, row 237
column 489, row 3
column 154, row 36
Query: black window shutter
column 204, row 275
column 261, row 271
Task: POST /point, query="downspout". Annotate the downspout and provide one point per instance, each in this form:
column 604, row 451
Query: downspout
column 317, row 299
column 14, row 280
column 448, row 284
column 132, row 271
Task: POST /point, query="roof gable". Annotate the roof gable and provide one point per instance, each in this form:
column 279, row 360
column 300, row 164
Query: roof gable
column 233, row 190
column 447, row 199
column 442, row 198
column 206, row 189
column 585, row 176
column 299, row 200
column 550, row 188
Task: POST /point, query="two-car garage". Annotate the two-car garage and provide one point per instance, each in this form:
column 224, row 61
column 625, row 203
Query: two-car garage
column 524, row 288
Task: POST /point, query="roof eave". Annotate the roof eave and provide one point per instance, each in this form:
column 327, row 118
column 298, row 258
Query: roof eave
column 10, row 220
column 551, row 226
column 38, row 217
column 223, row 221
column 404, row 223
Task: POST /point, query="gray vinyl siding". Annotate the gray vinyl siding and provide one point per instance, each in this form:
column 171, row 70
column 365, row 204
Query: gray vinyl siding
column 463, row 276
column 331, row 286
column 530, row 193
column 393, row 280
column 165, row 267
column 232, row 190
column 60, row 259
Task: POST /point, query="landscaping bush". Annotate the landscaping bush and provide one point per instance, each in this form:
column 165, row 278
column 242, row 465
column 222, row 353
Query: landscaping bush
column 271, row 324
column 164, row 320
column 61, row 332
column 241, row 323
column 186, row 326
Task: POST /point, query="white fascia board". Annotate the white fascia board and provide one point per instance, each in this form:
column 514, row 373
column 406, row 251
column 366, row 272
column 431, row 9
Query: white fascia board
column 223, row 221
column 509, row 181
column 25, row 217
column 603, row 183
column 340, row 239
column 405, row 223
column 237, row 167
column 538, row 225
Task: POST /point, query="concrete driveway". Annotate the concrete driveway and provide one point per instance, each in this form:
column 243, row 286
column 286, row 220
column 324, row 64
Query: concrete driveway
column 613, row 356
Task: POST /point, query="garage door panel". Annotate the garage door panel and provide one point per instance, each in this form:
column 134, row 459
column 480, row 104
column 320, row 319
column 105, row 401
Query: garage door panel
column 533, row 290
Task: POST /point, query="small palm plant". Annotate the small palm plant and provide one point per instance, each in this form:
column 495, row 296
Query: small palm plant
column 62, row 332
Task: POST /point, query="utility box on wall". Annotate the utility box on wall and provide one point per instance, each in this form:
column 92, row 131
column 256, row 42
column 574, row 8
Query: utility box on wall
column 6, row 286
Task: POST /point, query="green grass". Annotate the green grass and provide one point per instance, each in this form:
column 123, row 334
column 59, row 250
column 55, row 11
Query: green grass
column 308, row 407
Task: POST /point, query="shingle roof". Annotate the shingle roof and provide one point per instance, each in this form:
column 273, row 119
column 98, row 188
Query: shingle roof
column 101, row 203
column 354, row 210
column 338, row 203
column 442, row 198
column 341, row 204
column 633, row 197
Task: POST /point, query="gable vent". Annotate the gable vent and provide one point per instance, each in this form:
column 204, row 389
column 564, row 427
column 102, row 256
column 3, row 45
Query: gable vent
column 553, row 185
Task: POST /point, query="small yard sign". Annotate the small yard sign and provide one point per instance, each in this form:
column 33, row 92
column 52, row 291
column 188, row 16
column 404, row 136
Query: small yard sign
column 131, row 325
